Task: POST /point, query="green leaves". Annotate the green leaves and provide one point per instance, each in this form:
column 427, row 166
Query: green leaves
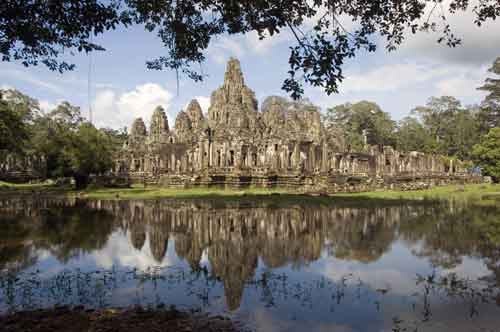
column 40, row 31
column 360, row 120
column 487, row 154
column 490, row 108
column 13, row 131
column 450, row 128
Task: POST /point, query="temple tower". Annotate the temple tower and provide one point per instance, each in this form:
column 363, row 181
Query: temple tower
column 159, row 124
column 233, row 106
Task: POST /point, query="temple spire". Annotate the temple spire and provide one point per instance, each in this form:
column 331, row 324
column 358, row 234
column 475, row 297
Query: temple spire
column 233, row 76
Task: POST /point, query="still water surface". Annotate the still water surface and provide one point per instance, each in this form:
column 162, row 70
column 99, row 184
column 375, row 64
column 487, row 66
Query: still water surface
column 292, row 266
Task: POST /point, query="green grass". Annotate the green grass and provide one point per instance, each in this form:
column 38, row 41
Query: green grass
column 152, row 192
column 482, row 193
column 485, row 193
column 30, row 188
column 442, row 192
column 7, row 185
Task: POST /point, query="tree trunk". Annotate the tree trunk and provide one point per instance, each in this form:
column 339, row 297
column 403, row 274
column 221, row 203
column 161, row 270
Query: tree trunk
column 81, row 181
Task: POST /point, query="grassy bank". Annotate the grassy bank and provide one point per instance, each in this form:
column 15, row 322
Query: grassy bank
column 39, row 188
column 444, row 192
column 489, row 192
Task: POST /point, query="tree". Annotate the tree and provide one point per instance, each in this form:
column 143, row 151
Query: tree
column 452, row 128
column 412, row 136
column 13, row 131
column 462, row 134
column 26, row 107
column 89, row 152
column 72, row 147
column 490, row 107
column 437, row 115
column 117, row 137
column 487, row 154
column 51, row 134
column 186, row 28
column 362, row 119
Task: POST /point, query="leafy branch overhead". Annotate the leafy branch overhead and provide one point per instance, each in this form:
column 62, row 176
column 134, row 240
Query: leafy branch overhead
column 43, row 31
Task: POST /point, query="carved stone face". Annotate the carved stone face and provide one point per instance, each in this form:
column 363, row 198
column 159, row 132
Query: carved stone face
column 138, row 128
column 233, row 106
column 195, row 114
column 159, row 122
column 183, row 128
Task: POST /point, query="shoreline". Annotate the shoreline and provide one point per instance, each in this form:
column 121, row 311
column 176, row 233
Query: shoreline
column 468, row 191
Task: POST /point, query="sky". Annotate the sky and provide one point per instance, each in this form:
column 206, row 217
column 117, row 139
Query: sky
column 122, row 88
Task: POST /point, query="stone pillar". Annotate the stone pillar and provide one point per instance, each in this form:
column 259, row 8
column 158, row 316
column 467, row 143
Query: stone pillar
column 324, row 158
column 211, row 154
column 201, row 158
column 297, row 156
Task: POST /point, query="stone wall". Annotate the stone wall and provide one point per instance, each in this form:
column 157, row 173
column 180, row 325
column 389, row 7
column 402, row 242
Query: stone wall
column 283, row 144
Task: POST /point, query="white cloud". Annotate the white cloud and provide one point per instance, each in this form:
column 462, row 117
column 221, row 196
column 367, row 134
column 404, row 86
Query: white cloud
column 118, row 110
column 391, row 77
column 141, row 101
column 481, row 45
column 263, row 46
column 225, row 47
column 453, row 80
column 6, row 87
column 242, row 45
column 462, row 85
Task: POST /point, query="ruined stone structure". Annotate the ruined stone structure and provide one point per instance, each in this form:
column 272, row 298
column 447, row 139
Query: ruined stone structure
column 283, row 144
column 18, row 168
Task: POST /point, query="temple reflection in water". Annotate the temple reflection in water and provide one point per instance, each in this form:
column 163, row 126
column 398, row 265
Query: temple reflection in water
column 236, row 236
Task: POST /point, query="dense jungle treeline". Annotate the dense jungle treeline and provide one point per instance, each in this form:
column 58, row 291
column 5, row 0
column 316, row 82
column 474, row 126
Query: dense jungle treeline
column 75, row 148
column 71, row 146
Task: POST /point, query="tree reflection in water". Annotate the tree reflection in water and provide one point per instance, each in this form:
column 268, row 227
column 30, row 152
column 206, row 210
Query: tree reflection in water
column 238, row 248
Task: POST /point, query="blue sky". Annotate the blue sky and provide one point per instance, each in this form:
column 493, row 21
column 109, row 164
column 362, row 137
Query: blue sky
column 123, row 88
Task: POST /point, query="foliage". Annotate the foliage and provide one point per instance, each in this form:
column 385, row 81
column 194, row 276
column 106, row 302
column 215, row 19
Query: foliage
column 487, row 154
column 71, row 146
column 88, row 152
column 359, row 120
column 450, row 129
column 116, row 137
column 186, row 28
column 58, row 26
column 412, row 136
column 437, row 114
column 13, row 131
column 27, row 107
column 490, row 108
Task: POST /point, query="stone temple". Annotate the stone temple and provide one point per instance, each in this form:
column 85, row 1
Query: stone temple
column 284, row 143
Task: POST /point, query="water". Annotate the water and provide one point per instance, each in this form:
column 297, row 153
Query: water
column 275, row 266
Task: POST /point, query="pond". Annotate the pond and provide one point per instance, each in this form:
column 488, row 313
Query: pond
column 275, row 266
